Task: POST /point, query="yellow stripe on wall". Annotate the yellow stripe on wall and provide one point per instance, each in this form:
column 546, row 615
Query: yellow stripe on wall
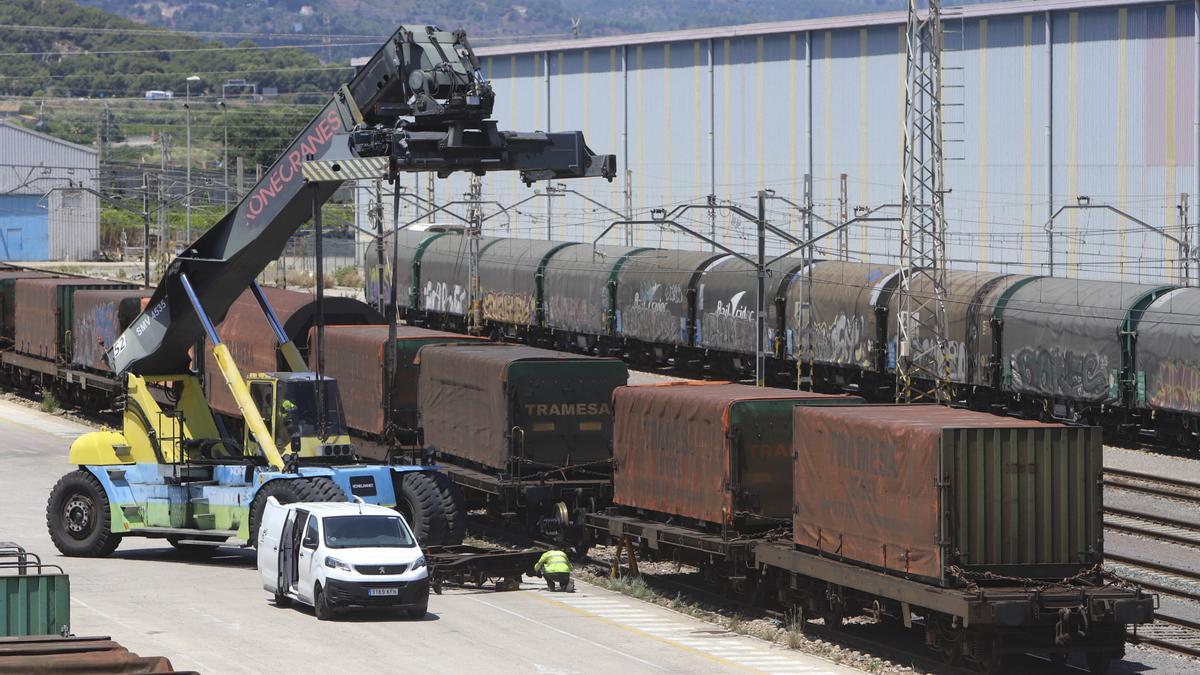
column 793, row 116
column 1027, row 59
column 697, row 103
column 666, row 135
column 1072, row 142
column 863, row 131
column 760, row 155
column 984, row 214
column 639, row 140
column 1120, row 132
column 1169, row 103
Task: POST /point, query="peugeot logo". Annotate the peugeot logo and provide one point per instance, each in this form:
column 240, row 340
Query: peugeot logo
column 382, row 570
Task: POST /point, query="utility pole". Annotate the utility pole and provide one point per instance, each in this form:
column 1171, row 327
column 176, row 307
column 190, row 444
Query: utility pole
column 225, row 153
column 629, row 206
column 805, row 380
column 376, row 216
column 843, row 237
column 187, row 107
column 145, row 230
column 475, row 215
column 430, row 192
column 922, row 366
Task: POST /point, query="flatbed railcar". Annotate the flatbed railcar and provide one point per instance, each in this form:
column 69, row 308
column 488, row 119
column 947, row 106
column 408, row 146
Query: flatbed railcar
column 952, row 535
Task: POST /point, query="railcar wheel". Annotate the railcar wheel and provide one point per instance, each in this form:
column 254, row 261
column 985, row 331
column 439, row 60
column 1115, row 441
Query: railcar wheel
column 77, row 516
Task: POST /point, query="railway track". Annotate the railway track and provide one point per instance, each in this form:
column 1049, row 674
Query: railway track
column 1171, row 631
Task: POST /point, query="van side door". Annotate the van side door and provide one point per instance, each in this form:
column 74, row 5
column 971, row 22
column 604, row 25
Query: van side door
column 306, row 558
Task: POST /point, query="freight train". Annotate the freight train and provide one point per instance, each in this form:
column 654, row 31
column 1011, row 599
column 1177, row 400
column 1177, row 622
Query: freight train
column 1114, row 354
column 781, row 495
column 985, row 529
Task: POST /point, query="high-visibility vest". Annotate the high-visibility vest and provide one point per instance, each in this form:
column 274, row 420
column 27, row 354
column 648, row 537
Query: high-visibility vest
column 553, row 562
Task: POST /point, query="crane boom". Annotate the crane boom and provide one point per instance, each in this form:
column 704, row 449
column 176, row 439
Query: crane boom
column 422, row 103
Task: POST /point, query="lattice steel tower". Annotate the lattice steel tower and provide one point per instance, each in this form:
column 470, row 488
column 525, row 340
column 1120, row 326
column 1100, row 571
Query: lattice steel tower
column 922, row 366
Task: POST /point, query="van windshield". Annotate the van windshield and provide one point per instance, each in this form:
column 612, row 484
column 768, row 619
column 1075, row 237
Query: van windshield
column 367, row 532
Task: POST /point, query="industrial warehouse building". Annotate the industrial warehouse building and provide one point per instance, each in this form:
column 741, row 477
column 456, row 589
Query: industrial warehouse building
column 1046, row 102
column 46, row 212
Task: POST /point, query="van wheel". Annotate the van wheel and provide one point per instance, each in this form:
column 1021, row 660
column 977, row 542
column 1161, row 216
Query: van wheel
column 321, row 606
column 77, row 515
column 418, row 613
column 420, row 502
column 289, row 491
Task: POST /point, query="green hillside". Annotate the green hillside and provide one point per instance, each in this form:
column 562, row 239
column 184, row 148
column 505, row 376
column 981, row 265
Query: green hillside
column 57, row 48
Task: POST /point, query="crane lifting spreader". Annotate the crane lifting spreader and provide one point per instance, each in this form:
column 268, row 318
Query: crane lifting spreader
column 421, row 104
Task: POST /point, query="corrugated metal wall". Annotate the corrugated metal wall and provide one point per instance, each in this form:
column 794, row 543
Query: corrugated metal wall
column 48, row 223
column 1114, row 100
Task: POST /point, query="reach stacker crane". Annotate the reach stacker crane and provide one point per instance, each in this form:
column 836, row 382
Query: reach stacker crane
column 420, row 104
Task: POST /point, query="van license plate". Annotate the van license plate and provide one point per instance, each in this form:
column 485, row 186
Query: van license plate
column 383, row 591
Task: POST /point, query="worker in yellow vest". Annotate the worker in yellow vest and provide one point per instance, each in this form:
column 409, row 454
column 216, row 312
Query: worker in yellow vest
column 556, row 568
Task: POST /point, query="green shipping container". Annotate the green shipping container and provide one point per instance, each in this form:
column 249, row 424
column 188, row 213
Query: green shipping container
column 35, row 604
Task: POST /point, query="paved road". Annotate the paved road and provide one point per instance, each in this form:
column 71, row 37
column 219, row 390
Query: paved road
column 213, row 616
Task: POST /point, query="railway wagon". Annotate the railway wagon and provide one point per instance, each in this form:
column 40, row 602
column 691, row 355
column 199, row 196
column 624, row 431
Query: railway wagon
column 1168, row 365
column 527, row 432
column 441, row 280
column 579, row 298
column 708, row 454
column 656, row 296
column 46, row 309
column 510, row 285
column 835, row 325
column 99, row 317
column 988, row 528
column 1067, row 348
column 377, row 409
column 254, row 345
column 8, row 290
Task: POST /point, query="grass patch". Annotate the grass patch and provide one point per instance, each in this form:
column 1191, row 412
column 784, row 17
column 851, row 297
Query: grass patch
column 49, row 402
column 634, row 587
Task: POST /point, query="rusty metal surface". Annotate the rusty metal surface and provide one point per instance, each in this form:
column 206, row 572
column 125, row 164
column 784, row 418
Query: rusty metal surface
column 39, row 303
column 53, row 654
column 846, row 328
column 881, row 486
column 253, row 345
column 655, row 295
column 706, row 450
column 8, row 279
column 356, row 357
column 518, row 409
column 98, row 317
column 508, row 279
column 965, row 294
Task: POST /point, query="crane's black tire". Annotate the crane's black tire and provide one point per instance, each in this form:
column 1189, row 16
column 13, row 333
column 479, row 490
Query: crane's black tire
column 454, row 509
column 291, row 490
column 77, row 515
column 420, row 502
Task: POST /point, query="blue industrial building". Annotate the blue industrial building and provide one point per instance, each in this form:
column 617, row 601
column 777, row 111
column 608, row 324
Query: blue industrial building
column 46, row 211
column 1046, row 102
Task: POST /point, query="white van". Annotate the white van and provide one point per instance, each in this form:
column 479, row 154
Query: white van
column 332, row 555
